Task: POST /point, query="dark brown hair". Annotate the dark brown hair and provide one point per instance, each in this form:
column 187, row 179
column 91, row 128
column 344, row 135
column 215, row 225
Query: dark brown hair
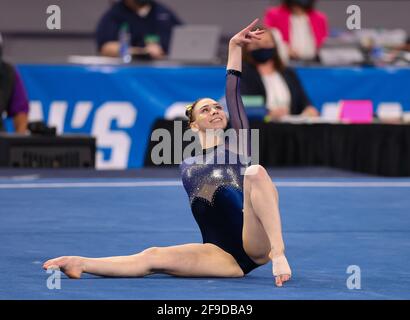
column 308, row 5
column 189, row 112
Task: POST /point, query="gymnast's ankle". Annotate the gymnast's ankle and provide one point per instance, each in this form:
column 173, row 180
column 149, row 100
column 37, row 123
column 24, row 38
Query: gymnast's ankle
column 276, row 252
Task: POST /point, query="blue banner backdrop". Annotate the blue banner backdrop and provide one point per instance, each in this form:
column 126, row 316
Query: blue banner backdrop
column 119, row 104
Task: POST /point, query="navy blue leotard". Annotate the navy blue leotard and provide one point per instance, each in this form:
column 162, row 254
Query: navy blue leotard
column 215, row 190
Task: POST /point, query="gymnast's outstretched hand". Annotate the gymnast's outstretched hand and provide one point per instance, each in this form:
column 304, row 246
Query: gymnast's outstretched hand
column 242, row 38
column 247, row 35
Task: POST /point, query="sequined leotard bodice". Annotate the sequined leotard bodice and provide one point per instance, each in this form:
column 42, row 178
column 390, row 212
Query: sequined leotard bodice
column 215, row 190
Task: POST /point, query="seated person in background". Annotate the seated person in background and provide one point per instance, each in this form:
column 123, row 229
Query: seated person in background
column 265, row 75
column 303, row 28
column 406, row 46
column 13, row 98
column 146, row 19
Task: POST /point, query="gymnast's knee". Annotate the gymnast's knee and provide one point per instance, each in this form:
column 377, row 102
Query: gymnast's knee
column 160, row 259
column 256, row 173
column 152, row 257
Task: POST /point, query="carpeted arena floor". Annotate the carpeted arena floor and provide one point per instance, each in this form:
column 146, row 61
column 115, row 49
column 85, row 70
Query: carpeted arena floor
column 331, row 220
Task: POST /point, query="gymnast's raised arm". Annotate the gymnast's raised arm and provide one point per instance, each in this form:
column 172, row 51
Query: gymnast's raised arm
column 237, row 115
column 236, row 43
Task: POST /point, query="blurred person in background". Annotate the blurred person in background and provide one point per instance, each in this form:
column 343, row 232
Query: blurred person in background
column 403, row 48
column 266, row 75
column 13, row 98
column 406, row 46
column 148, row 22
column 303, row 28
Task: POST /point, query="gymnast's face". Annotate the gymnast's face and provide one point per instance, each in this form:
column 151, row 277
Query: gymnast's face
column 208, row 114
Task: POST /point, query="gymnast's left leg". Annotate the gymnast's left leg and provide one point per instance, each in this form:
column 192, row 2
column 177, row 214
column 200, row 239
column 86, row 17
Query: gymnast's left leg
column 187, row 260
column 262, row 230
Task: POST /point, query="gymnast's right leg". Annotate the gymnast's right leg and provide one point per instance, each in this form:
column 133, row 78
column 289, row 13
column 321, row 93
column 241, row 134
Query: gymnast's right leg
column 188, row 260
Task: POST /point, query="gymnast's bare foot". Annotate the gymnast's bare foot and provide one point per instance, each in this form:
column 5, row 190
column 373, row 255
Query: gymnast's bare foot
column 73, row 267
column 280, row 269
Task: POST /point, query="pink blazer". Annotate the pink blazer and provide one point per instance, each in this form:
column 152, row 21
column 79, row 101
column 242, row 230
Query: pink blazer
column 279, row 18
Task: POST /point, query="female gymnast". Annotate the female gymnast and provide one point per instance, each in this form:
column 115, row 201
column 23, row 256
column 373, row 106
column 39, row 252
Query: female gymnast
column 238, row 214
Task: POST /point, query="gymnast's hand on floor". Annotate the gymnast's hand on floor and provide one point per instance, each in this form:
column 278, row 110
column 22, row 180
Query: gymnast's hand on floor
column 247, row 36
column 281, row 270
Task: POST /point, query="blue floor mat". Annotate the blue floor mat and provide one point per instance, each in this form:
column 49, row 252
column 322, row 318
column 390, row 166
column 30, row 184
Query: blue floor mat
column 326, row 230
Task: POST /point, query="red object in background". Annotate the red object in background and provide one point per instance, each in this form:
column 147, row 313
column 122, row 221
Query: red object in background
column 279, row 18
